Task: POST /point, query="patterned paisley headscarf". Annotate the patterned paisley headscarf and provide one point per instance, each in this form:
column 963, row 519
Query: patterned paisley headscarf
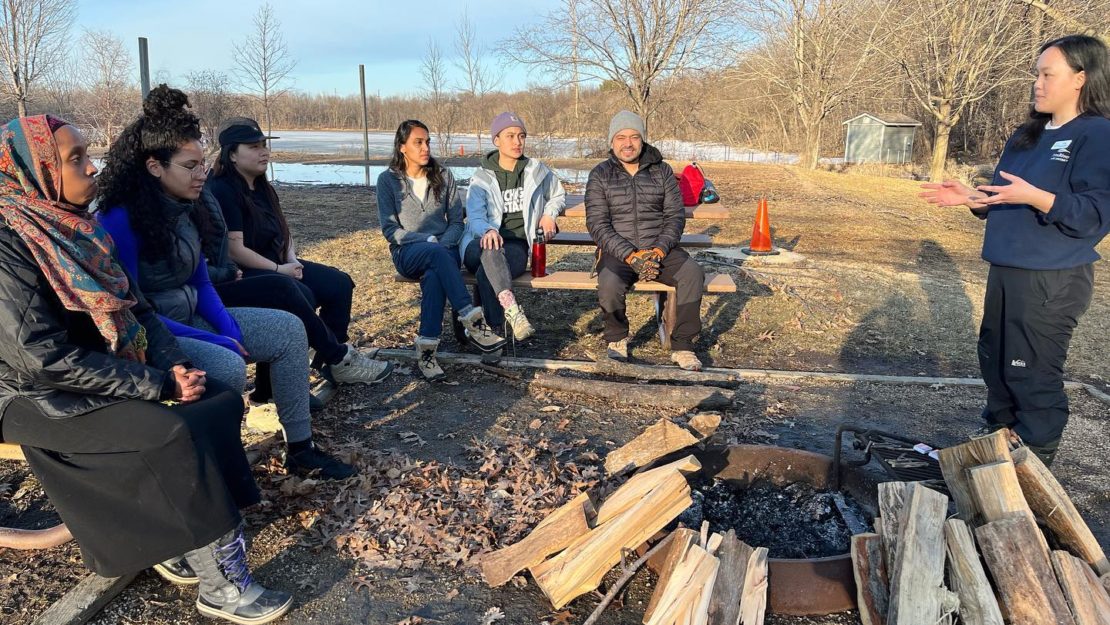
column 74, row 253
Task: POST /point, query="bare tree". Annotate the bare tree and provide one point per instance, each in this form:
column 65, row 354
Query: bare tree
column 443, row 107
column 633, row 43
column 956, row 53
column 479, row 79
column 33, row 35
column 211, row 97
column 262, row 62
column 818, row 52
column 111, row 103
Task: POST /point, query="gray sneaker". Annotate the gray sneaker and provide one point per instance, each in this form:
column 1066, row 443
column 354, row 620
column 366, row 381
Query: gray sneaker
column 522, row 328
column 357, row 368
column 618, row 350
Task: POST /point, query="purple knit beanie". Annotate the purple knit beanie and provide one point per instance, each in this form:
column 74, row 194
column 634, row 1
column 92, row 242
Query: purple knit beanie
column 505, row 120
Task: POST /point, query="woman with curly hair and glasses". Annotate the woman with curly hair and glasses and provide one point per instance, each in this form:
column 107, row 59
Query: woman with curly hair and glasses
column 152, row 178
column 138, row 450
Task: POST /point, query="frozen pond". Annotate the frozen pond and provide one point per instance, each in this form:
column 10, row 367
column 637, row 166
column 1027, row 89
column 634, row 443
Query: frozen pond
column 349, row 143
column 330, row 173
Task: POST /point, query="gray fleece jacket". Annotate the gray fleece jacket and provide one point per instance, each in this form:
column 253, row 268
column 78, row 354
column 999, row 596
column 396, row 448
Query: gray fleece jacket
column 407, row 219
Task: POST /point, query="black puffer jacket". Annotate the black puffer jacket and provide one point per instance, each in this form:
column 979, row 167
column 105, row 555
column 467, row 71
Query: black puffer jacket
column 626, row 213
column 57, row 358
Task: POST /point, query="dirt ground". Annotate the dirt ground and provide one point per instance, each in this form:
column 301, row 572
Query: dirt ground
column 890, row 285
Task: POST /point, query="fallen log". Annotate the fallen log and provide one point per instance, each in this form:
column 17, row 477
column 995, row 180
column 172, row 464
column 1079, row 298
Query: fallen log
column 955, row 461
column 1052, row 506
column 608, row 366
column 753, row 599
column 1085, row 596
column 84, row 600
column 872, row 591
column 657, row 395
column 1028, row 591
column 558, row 530
column 724, row 609
column 653, row 443
column 578, row 569
column 917, row 593
column 967, row 577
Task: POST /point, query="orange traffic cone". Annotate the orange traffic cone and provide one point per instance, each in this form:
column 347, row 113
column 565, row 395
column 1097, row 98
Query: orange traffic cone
column 761, row 233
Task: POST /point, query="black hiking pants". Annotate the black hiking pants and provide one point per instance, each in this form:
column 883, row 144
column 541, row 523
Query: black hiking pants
column 1028, row 319
column 615, row 278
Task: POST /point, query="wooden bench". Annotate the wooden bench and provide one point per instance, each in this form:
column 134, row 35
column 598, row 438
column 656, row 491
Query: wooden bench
column 29, row 539
column 665, row 307
column 583, row 238
column 701, row 211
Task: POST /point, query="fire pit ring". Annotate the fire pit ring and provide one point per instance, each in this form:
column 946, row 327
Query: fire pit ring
column 797, row 586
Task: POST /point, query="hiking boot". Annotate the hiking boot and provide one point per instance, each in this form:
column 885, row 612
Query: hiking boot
column 522, row 328
column 686, row 359
column 358, row 368
column 227, row 589
column 314, row 461
column 479, row 332
column 618, row 350
column 492, row 358
column 426, row 359
column 177, row 570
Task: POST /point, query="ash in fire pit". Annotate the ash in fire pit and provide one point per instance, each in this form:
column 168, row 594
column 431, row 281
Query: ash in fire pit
column 793, row 521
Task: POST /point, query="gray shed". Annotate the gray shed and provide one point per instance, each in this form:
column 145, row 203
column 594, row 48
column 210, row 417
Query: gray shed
column 872, row 138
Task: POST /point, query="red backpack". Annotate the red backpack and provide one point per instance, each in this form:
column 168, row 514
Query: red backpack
column 691, row 182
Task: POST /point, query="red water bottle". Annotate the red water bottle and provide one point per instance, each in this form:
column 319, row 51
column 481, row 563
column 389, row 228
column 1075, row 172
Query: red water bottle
column 539, row 255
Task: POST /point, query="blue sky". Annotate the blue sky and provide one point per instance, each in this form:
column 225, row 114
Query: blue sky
column 328, row 38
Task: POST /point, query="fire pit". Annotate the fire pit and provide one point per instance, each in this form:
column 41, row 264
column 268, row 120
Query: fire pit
column 798, row 586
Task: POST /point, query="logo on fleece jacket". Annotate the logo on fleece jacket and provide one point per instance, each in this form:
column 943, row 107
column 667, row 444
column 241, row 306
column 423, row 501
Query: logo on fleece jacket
column 1060, row 151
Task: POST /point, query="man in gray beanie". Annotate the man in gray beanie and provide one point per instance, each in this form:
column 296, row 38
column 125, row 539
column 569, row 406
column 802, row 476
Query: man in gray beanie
column 634, row 213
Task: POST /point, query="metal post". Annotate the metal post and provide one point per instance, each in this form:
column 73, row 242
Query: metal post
column 365, row 122
column 144, row 67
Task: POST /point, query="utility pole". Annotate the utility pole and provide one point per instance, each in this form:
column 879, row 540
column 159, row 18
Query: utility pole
column 144, row 67
column 365, row 121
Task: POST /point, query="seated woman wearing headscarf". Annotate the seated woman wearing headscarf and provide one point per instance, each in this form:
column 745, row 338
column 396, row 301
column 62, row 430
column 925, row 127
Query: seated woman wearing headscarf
column 139, row 453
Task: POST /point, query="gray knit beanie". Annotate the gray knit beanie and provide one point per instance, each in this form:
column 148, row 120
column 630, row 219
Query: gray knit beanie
column 627, row 120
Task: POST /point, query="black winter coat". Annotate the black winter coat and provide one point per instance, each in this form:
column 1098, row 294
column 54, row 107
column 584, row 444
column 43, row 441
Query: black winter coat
column 57, row 358
column 626, row 213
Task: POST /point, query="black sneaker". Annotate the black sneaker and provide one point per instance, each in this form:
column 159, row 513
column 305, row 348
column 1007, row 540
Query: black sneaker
column 314, row 461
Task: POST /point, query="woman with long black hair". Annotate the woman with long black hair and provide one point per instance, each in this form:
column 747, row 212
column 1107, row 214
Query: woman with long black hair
column 421, row 216
column 152, row 179
column 1046, row 210
column 261, row 246
column 138, row 451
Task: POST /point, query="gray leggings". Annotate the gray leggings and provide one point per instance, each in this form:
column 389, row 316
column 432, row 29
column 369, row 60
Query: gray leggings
column 272, row 336
column 495, row 270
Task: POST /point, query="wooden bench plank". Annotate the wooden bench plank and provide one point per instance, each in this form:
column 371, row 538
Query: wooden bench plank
column 11, row 451
column 85, row 599
column 581, row 281
column 583, row 238
column 701, row 211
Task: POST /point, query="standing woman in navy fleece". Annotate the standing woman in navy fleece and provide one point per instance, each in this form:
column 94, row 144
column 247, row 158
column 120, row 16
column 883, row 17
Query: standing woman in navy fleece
column 1046, row 210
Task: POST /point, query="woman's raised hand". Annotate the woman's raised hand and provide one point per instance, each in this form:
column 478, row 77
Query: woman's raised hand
column 1017, row 192
column 950, row 193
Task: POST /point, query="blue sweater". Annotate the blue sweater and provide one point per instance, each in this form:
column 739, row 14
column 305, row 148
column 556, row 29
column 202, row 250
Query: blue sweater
column 1073, row 162
column 209, row 306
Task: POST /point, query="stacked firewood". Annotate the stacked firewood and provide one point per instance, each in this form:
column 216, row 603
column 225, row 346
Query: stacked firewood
column 703, row 578
column 1042, row 559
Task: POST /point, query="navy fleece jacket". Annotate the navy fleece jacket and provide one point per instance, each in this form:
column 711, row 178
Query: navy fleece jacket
column 1073, row 162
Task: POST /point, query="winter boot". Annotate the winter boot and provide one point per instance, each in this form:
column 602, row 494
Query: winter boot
column 522, row 328
column 426, row 359
column 479, row 332
column 618, row 350
column 227, row 589
column 177, row 570
column 686, row 359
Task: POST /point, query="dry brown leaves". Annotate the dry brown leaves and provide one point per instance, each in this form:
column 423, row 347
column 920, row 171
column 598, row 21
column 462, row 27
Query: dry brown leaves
column 403, row 513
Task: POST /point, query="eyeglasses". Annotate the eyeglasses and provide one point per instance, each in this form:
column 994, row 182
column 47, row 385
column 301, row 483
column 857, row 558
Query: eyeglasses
column 200, row 170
